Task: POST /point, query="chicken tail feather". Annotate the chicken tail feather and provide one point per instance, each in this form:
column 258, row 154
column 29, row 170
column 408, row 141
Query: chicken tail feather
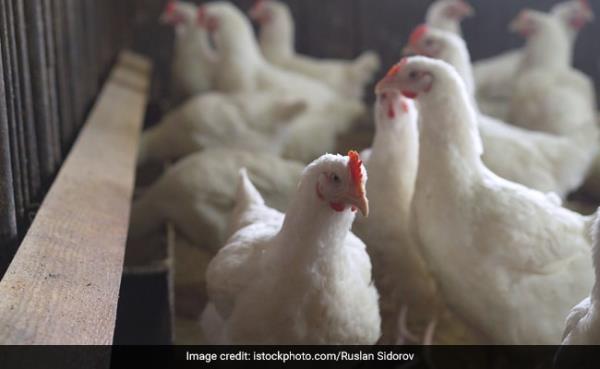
column 247, row 197
column 365, row 67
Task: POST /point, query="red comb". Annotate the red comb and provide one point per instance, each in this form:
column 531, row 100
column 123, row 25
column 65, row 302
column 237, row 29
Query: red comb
column 393, row 70
column 201, row 15
column 170, row 7
column 355, row 166
column 418, row 34
column 259, row 5
column 397, row 68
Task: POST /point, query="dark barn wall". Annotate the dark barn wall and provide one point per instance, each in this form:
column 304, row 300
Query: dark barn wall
column 54, row 54
column 343, row 28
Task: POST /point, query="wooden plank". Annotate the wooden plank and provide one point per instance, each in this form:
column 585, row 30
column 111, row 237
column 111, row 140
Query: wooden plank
column 63, row 284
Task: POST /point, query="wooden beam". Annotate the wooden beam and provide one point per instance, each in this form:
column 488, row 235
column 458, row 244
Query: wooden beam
column 63, row 284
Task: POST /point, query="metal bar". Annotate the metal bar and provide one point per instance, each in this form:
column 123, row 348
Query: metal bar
column 75, row 61
column 12, row 115
column 91, row 47
column 30, row 134
column 53, row 117
column 19, row 116
column 39, row 82
column 8, row 221
column 63, row 75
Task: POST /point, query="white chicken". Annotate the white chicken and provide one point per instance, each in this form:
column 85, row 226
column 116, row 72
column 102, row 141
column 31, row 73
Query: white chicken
column 494, row 76
column 197, row 194
column 583, row 322
column 553, row 97
column 302, row 277
column 276, row 39
column 411, row 307
column 194, row 58
column 447, row 15
column 398, row 268
column 506, row 258
column 255, row 122
column 542, row 161
column 549, row 95
column 242, row 68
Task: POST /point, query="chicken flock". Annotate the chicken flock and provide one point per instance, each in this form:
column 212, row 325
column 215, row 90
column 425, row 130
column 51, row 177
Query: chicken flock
column 452, row 228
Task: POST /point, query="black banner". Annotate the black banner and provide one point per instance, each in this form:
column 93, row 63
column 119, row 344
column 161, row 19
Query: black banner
column 397, row 357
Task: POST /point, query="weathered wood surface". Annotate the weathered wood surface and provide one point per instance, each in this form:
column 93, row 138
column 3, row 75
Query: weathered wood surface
column 63, row 284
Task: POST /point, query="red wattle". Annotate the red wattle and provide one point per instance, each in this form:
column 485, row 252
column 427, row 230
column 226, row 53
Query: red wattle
column 410, row 94
column 391, row 112
column 337, row 206
column 404, row 106
column 578, row 23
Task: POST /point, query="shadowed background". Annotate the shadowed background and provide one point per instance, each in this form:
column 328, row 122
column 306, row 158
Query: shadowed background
column 344, row 28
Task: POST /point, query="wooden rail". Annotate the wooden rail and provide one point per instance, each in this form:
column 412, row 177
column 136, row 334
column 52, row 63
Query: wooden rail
column 62, row 286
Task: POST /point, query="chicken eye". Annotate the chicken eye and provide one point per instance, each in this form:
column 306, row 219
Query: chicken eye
column 428, row 42
column 413, row 75
column 335, row 178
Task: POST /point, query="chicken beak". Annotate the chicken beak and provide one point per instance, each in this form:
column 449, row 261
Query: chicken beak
column 359, row 200
column 514, row 26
